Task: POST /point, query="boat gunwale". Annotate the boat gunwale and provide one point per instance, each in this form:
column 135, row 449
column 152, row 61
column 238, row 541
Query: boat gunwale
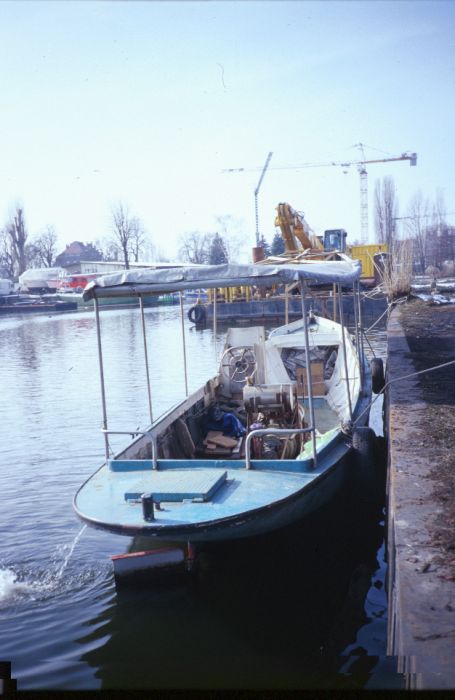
column 163, row 531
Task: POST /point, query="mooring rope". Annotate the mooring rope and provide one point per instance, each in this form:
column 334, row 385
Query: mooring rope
column 373, row 292
column 398, row 379
column 401, row 300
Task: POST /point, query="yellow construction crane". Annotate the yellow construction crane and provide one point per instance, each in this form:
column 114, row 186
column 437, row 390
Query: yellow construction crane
column 361, row 166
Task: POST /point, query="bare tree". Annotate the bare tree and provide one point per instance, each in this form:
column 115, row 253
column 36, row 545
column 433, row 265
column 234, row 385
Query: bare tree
column 32, row 256
column 44, row 247
column 122, row 229
column 440, row 236
column 137, row 239
column 439, row 211
column 153, row 252
column 6, row 254
column 229, row 228
column 108, row 247
column 17, row 233
column 195, row 247
column 417, row 228
column 386, row 208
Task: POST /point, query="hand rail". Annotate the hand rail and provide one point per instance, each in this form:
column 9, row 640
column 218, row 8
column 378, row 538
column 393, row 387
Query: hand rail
column 133, row 433
column 270, row 431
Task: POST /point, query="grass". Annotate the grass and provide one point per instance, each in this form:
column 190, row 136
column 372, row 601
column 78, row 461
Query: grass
column 397, row 273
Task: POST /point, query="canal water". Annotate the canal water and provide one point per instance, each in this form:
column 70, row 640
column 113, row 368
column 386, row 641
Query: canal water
column 301, row 608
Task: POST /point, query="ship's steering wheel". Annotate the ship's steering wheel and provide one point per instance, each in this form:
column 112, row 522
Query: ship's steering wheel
column 240, row 363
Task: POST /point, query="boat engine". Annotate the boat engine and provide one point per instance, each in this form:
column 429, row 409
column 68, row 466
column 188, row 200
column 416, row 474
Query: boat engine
column 273, row 406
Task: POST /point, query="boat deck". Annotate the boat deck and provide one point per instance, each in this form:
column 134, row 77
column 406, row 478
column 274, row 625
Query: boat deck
column 196, row 491
column 113, row 495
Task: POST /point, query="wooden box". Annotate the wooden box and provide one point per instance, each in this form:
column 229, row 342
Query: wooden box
column 317, row 375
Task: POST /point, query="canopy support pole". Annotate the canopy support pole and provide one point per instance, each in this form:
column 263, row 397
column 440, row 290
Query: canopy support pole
column 214, row 323
column 286, row 304
column 147, row 373
column 182, row 318
column 308, row 371
column 362, row 345
column 345, row 357
column 357, row 334
column 100, row 361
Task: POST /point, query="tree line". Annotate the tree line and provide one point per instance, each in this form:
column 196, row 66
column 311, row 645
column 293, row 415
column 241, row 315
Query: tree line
column 425, row 224
column 127, row 241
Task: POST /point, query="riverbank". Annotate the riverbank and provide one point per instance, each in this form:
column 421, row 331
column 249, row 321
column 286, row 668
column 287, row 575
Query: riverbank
column 421, row 513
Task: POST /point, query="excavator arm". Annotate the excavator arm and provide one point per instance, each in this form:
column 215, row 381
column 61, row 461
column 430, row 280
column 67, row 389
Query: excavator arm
column 295, row 230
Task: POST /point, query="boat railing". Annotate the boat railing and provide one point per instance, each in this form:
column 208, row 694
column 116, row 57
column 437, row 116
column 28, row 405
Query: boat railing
column 260, row 432
column 133, row 433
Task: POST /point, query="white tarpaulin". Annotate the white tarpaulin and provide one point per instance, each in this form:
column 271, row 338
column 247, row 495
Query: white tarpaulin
column 132, row 282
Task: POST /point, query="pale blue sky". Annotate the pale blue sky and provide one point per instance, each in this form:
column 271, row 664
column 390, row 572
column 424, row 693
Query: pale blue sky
column 147, row 102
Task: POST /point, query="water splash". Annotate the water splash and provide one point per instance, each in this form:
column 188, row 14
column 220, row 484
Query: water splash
column 32, row 583
column 10, row 587
column 71, row 550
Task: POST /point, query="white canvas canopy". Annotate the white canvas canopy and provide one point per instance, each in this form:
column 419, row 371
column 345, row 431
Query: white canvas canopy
column 135, row 282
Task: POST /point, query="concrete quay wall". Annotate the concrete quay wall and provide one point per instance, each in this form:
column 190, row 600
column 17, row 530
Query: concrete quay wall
column 421, row 580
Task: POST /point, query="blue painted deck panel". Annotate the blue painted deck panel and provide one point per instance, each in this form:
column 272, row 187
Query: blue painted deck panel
column 175, row 486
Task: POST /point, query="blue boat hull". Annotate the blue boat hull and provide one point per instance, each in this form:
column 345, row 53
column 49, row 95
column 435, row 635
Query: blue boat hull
column 317, row 488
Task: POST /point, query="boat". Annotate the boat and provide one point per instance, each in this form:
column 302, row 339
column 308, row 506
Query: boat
column 195, row 295
column 39, row 280
column 32, row 303
column 263, row 443
column 77, row 299
column 6, row 287
column 76, row 282
column 69, row 289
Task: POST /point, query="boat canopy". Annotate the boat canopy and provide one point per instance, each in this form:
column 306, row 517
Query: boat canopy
column 137, row 282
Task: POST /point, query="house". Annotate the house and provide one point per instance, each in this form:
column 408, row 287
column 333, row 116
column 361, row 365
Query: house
column 75, row 252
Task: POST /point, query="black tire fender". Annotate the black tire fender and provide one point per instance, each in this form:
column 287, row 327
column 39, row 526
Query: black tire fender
column 197, row 314
column 377, row 374
column 364, row 445
column 369, row 468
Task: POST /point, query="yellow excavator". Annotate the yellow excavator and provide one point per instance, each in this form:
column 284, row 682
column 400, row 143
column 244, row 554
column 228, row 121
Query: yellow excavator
column 295, row 230
column 299, row 242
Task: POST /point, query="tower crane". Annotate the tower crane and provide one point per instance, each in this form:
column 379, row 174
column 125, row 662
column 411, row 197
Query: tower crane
column 361, row 166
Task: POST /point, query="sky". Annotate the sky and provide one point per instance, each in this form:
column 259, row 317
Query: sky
column 147, row 103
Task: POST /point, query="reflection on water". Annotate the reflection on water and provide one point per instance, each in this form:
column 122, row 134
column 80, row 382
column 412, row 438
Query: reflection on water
column 274, row 612
column 293, row 609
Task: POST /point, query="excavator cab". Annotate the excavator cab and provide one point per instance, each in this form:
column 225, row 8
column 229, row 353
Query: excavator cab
column 335, row 239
